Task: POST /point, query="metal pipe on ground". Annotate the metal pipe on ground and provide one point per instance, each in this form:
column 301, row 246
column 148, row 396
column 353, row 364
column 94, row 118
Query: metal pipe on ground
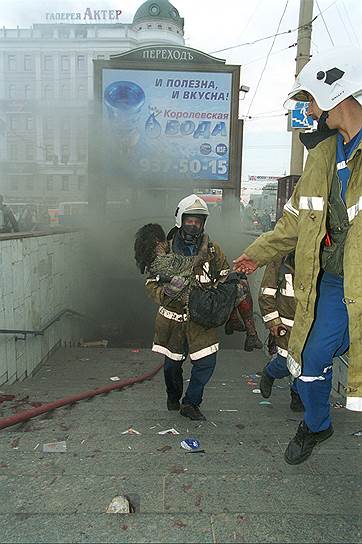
column 34, row 412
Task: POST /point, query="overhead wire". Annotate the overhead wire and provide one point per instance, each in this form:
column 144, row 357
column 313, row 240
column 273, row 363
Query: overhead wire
column 324, row 22
column 267, row 58
column 351, row 24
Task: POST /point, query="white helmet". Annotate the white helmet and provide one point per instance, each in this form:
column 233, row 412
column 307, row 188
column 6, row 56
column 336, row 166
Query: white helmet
column 330, row 78
column 190, row 205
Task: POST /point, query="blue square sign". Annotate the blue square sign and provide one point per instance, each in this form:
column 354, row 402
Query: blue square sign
column 299, row 117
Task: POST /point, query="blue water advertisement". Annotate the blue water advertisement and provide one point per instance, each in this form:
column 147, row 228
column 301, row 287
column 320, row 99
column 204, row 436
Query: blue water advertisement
column 170, row 123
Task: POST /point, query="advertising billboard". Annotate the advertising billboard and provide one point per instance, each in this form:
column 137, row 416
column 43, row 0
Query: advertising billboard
column 170, row 123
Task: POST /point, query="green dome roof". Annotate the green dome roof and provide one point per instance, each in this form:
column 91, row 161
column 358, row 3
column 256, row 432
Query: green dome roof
column 158, row 9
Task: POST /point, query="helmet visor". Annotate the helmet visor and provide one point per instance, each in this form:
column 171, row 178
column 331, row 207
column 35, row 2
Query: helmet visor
column 298, row 96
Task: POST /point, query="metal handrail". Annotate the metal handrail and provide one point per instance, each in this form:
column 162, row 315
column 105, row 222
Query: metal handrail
column 41, row 331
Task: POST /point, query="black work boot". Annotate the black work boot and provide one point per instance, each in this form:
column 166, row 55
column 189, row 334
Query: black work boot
column 296, row 403
column 173, row 405
column 266, row 384
column 301, row 446
column 252, row 342
column 192, row 412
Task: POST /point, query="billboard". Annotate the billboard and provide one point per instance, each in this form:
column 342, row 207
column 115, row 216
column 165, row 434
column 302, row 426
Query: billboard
column 169, row 123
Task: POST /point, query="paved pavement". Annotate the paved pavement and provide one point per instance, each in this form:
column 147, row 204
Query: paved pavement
column 239, row 490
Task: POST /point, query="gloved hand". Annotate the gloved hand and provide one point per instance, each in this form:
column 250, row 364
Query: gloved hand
column 176, row 285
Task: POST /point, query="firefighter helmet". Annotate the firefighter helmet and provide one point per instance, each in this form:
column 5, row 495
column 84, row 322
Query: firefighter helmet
column 330, row 78
column 191, row 205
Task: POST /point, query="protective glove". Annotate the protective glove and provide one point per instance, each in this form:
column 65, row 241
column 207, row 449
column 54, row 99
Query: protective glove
column 176, row 285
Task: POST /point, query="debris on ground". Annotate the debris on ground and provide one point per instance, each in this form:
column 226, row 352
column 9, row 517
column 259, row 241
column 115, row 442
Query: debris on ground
column 55, row 447
column 15, row 443
column 227, row 410
column 169, row 431
column 357, row 433
column 135, row 350
column 190, row 444
column 115, row 378
column 130, row 431
column 119, row 505
column 164, row 449
column 257, row 391
column 94, row 344
column 337, row 405
column 264, row 402
column 5, row 398
column 84, row 359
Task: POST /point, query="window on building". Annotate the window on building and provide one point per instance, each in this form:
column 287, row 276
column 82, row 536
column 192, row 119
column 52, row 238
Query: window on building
column 13, row 123
column 28, row 63
column 27, row 92
column 29, row 152
column 81, row 183
column 81, row 63
column 64, row 33
column 12, row 91
column 82, row 152
column 100, row 57
column 82, row 91
column 11, row 63
column 65, row 183
column 49, row 153
column 29, row 123
column 47, row 33
column 64, row 63
column 65, row 153
column 159, row 26
column 48, row 92
column 48, row 63
column 81, row 33
column 13, row 152
column 50, row 182
column 64, row 91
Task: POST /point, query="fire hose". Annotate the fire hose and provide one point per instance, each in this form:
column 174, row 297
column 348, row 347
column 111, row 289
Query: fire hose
column 34, row 412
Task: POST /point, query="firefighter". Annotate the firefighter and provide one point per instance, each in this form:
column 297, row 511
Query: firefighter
column 277, row 306
column 322, row 221
column 8, row 223
column 176, row 337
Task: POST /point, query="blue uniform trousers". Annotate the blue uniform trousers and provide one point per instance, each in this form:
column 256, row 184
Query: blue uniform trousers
column 201, row 372
column 327, row 339
column 277, row 369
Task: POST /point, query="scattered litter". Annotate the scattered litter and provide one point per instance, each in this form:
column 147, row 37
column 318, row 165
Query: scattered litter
column 292, row 419
column 257, row 391
column 129, row 447
column 115, row 378
column 136, row 350
column 241, row 443
column 254, row 376
column 264, row 402
column 212, row 423
column 55, row 447
column 164, row 449
column 95, row 344
column 36, row 447
column 338, row 405
column 119, row 505
column 84, row 359
column 357, row 433
column 169, row 431
column 227, row 410
column 82, row 442
column 281, row 386
column 130, row 431
column 190, row 444
column 15, row 443
column 223, row 384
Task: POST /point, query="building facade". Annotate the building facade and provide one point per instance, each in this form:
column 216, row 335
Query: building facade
column 46, row 91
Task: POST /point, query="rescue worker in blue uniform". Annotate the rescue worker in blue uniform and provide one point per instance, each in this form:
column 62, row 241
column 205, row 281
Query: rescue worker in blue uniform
column 322, row 221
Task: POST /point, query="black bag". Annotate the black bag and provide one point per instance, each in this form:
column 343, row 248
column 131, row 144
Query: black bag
column 211, row 306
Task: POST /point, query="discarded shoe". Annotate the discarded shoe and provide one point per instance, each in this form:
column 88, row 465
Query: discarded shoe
column 296, row 403
column 266, row 384
column 192, row 412
column 301, row 446
column 173, row 405
column 252, row 342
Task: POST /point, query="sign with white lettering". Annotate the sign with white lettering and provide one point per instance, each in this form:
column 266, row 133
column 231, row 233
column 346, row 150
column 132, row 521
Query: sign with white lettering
column 89, row 14
column 169, row 124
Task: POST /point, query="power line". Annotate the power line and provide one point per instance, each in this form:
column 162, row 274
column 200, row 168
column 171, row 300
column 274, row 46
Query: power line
column 273, row 35
column 325, row 24
column 351, row 25
column 275, row 53
column 267, row 58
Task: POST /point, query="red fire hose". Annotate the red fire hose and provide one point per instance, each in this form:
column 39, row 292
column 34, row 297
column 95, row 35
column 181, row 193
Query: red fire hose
column 28, row 414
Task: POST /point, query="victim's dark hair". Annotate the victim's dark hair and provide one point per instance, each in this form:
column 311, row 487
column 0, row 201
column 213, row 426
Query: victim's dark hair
column 146, row 240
